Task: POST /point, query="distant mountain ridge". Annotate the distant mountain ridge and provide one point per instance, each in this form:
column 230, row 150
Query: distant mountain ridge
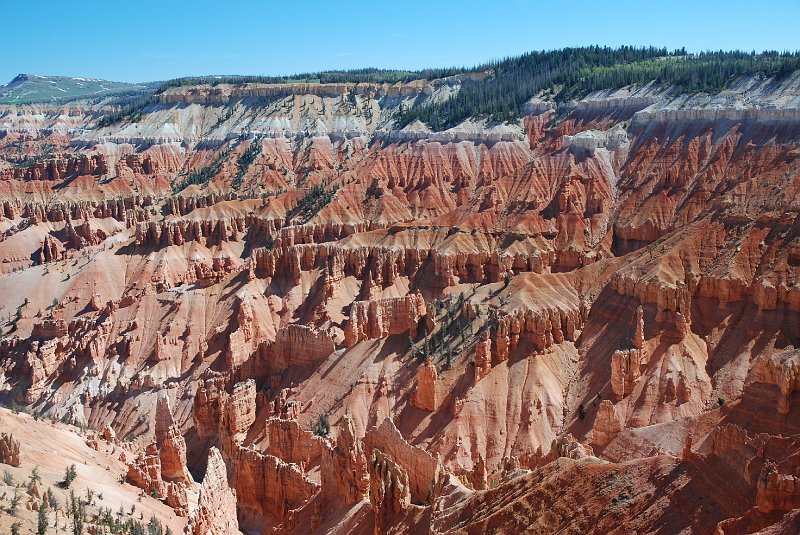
column 33, row 88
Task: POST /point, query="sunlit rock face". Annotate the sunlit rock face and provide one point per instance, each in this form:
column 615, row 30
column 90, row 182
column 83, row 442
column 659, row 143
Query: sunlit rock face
column 284, row 314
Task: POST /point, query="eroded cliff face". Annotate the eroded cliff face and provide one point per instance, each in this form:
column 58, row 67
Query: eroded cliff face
column 216, row 508
column 349, row 326
column 344, row 470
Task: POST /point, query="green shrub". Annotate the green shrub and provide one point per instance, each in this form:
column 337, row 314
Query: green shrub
column 69, row 476
column 322, row 426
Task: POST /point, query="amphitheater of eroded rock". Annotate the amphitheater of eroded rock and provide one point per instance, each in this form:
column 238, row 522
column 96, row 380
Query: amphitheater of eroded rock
column 585, row 321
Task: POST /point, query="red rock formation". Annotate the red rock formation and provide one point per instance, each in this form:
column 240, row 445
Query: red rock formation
column 425, row 396
column 766, row 462
column 268, row 488
column 296, row 345
column 145, row 472
column 244, row 340
column 777, row 491
column 377, row 319
column 58, row 168
column 420, row 467
column 109, row 435
column 43, row 360
column 9, row 450
column 478, row 478
column 607, row 424
column 177, row 498
column 625, row 370
column 123, row 209
column 171, row 445
column 52, row 250
column 626, row 363
column 638, row 336
column 344, row 471
column 182, row 205
column 636, row 245
column 389, row 490
column 542, row 328
column 567, row 446
column 782, row 370
column 287, row 440
column 241, row 407
column 483, row 356
column 216, row 506
column 217, row 412
column 209, row 405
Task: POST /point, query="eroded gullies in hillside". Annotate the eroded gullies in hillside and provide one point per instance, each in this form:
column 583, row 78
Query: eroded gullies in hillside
column 592, row 309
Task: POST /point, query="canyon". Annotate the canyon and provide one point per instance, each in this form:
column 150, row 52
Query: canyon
column 270, row 309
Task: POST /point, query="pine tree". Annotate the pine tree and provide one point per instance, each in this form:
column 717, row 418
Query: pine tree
column 76, row 512
column 52, row 500
column 69, row 476
column 35, row 477
column 14, row 503
column 42, row 522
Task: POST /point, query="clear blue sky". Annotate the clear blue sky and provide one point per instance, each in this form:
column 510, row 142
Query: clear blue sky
column 144, row 40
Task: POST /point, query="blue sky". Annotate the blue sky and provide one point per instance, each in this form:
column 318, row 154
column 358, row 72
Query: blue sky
column 155, row 40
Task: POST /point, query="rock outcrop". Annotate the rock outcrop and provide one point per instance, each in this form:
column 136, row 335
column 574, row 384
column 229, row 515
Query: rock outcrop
column 782, row 370
column 171, row 445
column 777, row 491
column 625, row 370
column 9, row 450
column 241, row 407
column 216, row 506
column 425, row 396
column 296, row 345
column 267, row 487
column 389, row 490
column 52, row 250
column 287, row 440
column 569, row 447
column 626, row 364
column 344, row 471
column 483, row 357
column 223, row 410
column 210, row 401
column 109, row 435
column 638, row 335
column 421, row 468
column 607, row 424
column 384, row 317
column 145, row 471
column 59, row 168
column 245, row 339
column 161, row 469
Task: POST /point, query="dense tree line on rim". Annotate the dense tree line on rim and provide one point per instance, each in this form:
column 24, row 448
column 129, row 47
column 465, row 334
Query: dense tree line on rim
column 367, row 75
column 511, row 82
column 573, row 72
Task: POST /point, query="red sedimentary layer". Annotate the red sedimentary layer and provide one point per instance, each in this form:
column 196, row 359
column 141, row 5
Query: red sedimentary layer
column 570, row 325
